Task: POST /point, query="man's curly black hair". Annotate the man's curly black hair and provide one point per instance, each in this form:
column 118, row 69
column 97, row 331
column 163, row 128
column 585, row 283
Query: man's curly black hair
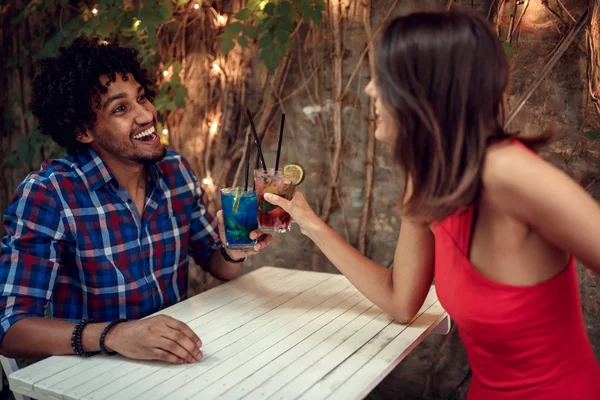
column 67, row 87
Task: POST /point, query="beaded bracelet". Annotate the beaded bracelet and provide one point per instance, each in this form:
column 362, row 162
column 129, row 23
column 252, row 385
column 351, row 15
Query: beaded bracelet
column 105, row 332
column 76, row 338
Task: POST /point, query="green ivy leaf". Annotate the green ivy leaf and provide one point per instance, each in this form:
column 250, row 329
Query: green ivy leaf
column 269, row 9
column 285, row 24
column 285, row 9
column 161, row 101
column 305, row 9
column 316, row 16
column 265, row 41
column 270, row 58
column 243, row 14
column 175, row 80
column 592, row 135
column 226, row 45
column 253, row 4
column 258, row 17
column 106, row 27
column 164, row 11
column 251, row 32
column 282, row 36
column 179, row 101
column 11, row 161
column 177, row 67
column 243, row 41
column 227, row 40
column 234, row 28
column 279, row 50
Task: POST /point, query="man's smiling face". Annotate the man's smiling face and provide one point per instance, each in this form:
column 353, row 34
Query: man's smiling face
column 125, row 127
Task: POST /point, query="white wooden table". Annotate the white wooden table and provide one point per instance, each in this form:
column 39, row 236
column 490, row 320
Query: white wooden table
column 273, row 333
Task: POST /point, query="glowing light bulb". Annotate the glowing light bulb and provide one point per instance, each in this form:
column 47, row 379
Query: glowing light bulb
column 216, row 67
column 165, row 73
column 196, row 6
column 165, row 131
column 137, row 23
column 221, row 20
column 95, row 11
column 207, row 181
column 213, row 128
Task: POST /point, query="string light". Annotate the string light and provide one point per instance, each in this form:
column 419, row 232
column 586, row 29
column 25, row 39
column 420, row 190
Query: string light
column 95, row 11
column 216, row 67
column 196, row 6
column 221, row 20
column 165, row 73
column 213, row 128
column 207, row 181
column 165, row 131
column 137, row 23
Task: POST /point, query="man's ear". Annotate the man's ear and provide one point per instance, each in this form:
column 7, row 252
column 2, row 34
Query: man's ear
column 84, row 137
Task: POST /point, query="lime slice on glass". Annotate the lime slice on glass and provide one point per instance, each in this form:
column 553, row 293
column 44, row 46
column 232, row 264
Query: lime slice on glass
column 296, row 171
column 237, row 198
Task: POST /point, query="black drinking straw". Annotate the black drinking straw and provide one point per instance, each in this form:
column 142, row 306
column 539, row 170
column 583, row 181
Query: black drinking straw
column 279, row 143
column 247, row 161
column 260, row 154
column 256, row 165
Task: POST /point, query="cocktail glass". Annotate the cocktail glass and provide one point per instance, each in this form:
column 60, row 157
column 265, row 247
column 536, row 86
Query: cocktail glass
column 240, row 215
column 271, row 218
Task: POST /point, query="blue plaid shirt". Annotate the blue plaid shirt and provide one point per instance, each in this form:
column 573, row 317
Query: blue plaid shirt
column 75, row 240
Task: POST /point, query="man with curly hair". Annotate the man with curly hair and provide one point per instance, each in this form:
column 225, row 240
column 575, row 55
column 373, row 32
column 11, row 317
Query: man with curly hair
column 102, row 236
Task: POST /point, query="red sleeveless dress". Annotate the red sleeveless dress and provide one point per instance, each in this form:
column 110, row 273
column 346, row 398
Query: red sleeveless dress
column 525, row 343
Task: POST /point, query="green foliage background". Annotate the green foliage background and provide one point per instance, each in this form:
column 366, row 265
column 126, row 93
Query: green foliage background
column 267, row 24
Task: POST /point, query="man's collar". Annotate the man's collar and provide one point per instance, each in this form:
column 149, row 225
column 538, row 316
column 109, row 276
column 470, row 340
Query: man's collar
column 94, row 169
column 98, row 175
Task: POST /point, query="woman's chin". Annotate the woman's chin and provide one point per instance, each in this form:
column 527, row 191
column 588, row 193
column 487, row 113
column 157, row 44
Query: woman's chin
column 383, row 135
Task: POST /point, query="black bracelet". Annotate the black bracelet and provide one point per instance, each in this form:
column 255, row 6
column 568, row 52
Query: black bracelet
column 228, row 258
column 76, row 338
column 103, row 349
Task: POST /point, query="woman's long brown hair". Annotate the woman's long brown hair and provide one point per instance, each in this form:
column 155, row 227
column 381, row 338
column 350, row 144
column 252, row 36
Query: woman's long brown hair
column 443, row 76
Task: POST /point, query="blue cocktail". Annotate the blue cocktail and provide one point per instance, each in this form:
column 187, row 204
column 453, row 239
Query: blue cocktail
column 240, row 215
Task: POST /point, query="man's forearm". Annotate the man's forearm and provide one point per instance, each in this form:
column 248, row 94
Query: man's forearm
column 37, row 337
column 221, row 269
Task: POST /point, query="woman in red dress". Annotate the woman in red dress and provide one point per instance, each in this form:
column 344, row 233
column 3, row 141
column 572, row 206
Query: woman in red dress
column 496, row 226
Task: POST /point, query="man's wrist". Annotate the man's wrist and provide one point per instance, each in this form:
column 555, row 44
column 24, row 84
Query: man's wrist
column 111, row 337
column 91, row 335
column 228, row 258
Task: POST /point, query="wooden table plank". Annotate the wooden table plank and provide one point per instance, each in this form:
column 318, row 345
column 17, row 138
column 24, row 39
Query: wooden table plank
column 345, row 371
column 186, row 385
column 273, row 333
column 257, row 378
column 227, row 337
column 377, row 368
column 198, row 309
column 328, row 362
column 278, row 343
column 258, row 275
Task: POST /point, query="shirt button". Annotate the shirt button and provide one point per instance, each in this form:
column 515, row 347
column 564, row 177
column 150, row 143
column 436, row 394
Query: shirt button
column 129, row 201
